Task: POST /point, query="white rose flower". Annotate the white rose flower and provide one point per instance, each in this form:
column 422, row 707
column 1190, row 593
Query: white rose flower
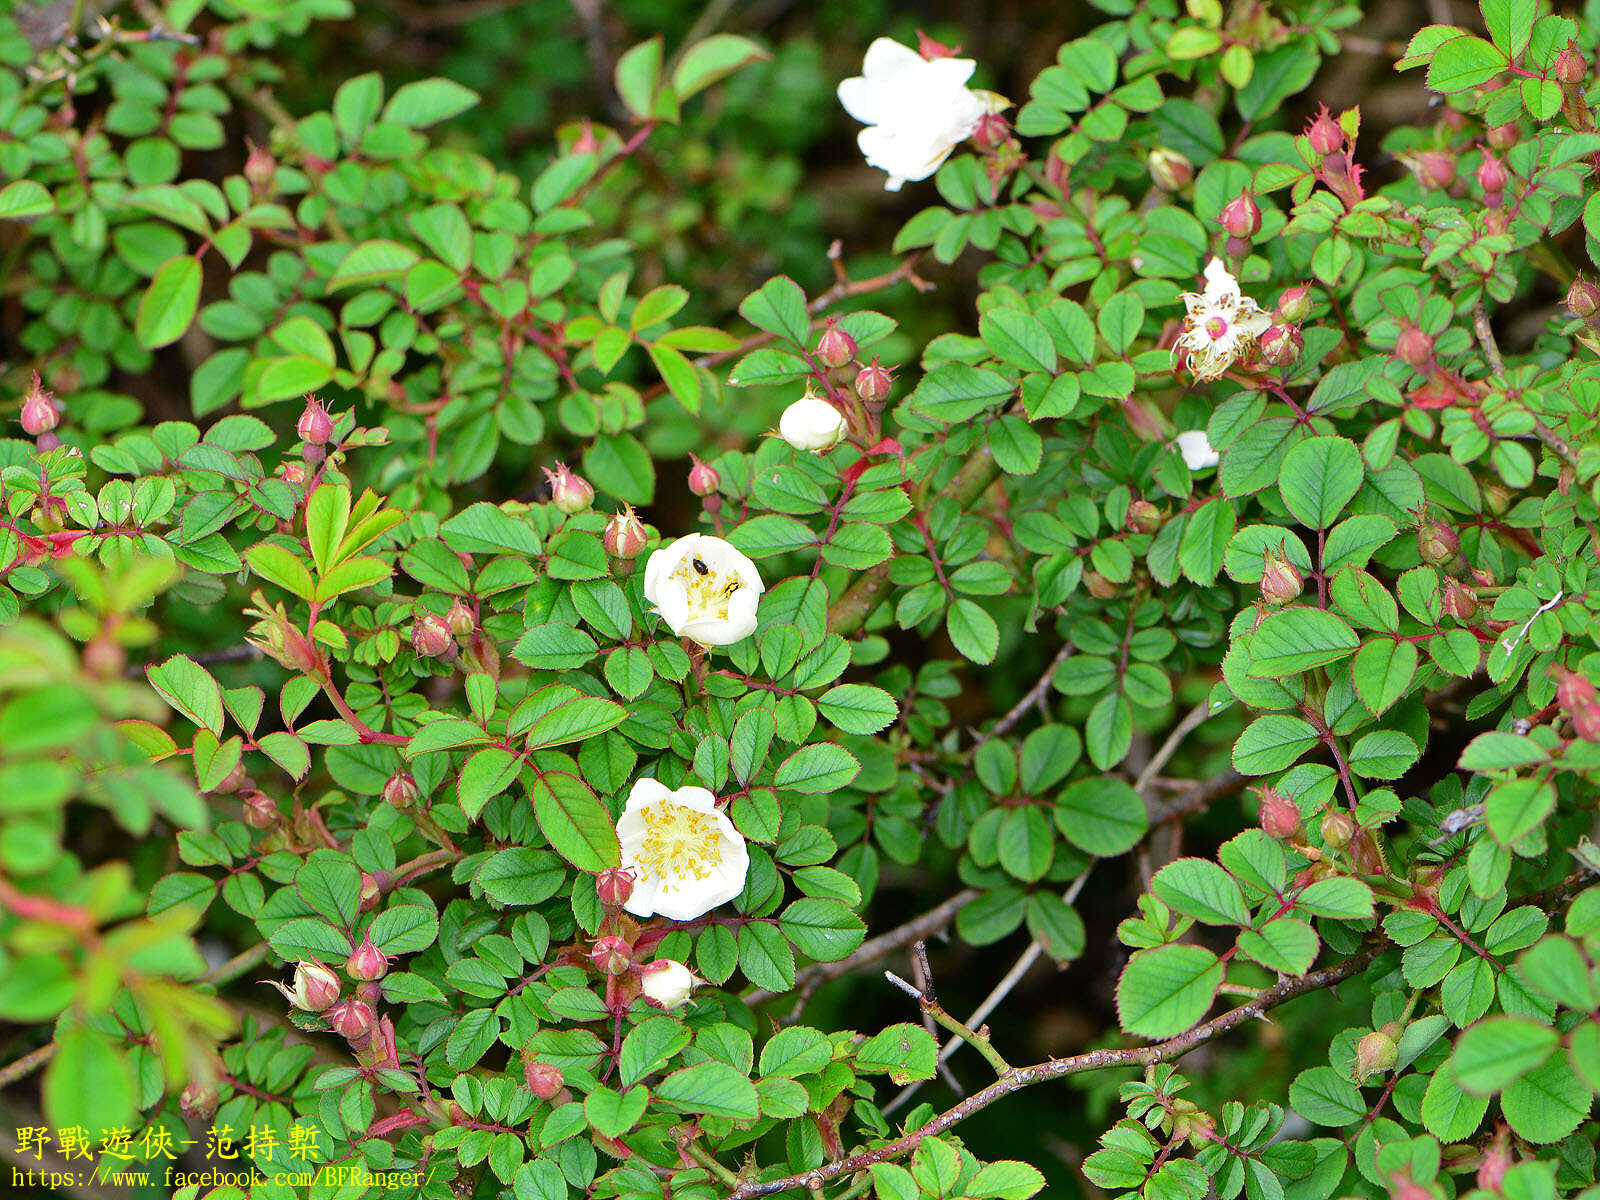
column 1222, row 324
column 812, row 424
column 685, row 855
column 1196, row 449
column 916, row 110
column 704, row 589
column 667, row 983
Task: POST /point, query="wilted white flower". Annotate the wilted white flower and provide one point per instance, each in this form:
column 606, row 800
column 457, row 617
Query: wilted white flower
column 666, row 982
column 1196, row 449
column 1222, row 324
column 811, row 423
column 685, row 854
column 704, row 589
column 916, row 110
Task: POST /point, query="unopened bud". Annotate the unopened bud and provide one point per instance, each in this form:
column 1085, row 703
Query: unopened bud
column 1435, row 170
column 351, row 1019
column 315, row 426
column 232, row 781
column 1324, row 133
column 1169, row 170
column 260, row 168
column 544, row 1079
column 624, row 535
column 612, row 955
column 667, row 983
column 1099, row 586
column 1293, row 306
column 872, row 383
column 314, row 987
column 1413, row 347
column 991, row 132
column 1571, row 66
column 1573, row 691
column 1281, row 345
column 703, row 477
column 1280, row 582
column 371, row 891
column 258, row 809
column 1376, row 1053
column 1503, row 137
column 835, row 347
column 570, row 493
column 1491, row 175
column 460, row 619
column 400, row 790
column 199, row 1101
column 1437, row 542
column 430, row 636
column 1586, row 722
column 39, row 415
column 1496, row 1162
column 1241, row 218
column 1337, row 829
column 366, row 962
column 614, row 886
column 1280, row 816
column 1583, row 298
column 1460, row 601
column 292, row 473
column 1143, row 517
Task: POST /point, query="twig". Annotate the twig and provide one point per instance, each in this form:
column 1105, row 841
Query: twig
column 1491, row 348
column 923, row 974
column 931, row 1007
column 1034, row 695
column 1195, row 718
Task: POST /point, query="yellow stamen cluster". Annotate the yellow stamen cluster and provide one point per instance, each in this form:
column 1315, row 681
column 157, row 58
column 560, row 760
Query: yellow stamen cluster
column 708, row 590
column 679, row 842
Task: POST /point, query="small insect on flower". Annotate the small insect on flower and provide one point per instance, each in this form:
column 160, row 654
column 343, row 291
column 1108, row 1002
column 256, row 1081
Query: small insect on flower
column 1222, row 325
column 704, row 589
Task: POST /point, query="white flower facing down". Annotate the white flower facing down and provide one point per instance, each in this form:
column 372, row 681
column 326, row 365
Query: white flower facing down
column 812, row 424
column 1196, row 449
column 685, row 855
column 1222, row 324
column 704, row 590
column 916, row 110
column 667, row 983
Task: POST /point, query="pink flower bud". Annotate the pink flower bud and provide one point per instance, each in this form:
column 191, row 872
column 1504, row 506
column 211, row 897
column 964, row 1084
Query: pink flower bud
column 1583, row 298
column 293, row 473
column 544, row 1079
column 930, row 49
column 1241, row 218
column 1571, row 66
column 401, row 790
column 612, row 955
column 624, row 535
column 1437, row 542
column 313, row 988
column 258, row 810
column 371, row 891
column 232, row 781
column 382, row 1049
column 1496, row 1162
column 39, row 413
column 1324, row 133
column 460, row 619
column 1586, row 722
column 1491, row 174
column 351, row 1019
column 1337, row 829
column 570, row 493
column 199, row 1101
column 991, row 132
column 1503, row 137
column 586, row 142
column 1169, row 170
column 315, row 426
column 430, row 636
column 1460, row 601
column 366, row 962
column 1098, row 586
column 614, row 885
column 1281, row 345
column 1376, row 1053
column 1574, row 691
column 1280, row 582
column 260, row 169
column 1413, row 347
column 1280, row 816
column 1435, row 170
column 872, row 383
column 835, row 347
column 1293, row 306
column 703, row 477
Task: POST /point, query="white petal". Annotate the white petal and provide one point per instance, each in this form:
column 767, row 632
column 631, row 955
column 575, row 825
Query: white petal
column 646, row 893
column 1254, row 325
column 949, row 72
column 697, row 798
column 886, row 56
column 645, row 791
column 672, row 602
column 1196, row 450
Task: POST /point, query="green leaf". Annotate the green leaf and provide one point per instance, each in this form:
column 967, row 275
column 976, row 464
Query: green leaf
column 638, row 75
column 373, row 262
column 1448, row 1111
column 1338, row 897
column 779, row 307
column 1548, row 1103
column 276, row 564
column 614, row 1113
column 1018, row 338
column 712, row 60
column 1383, row 670
column 404, row 929
column 858, row 708
column 1287, row 945
column 820, row 767
column 484, row 776
column 575, row 821
column 1297, row 639
column 1102, row 816
column 330, row 883
column 1324, row 1097
column 712, row 1089
column 1166, row 990
column 1271, row 743
column 1199, row 888
column 189, row 688
column 905, row 1052
column 88, row 1083
column 826, row 930
column 973, row 631
column 168, row 304
column 1517, row 807
column 1499, row 1050
column 1464, row 62
column 24, row 199
column 1319, row 477
column 427, row 102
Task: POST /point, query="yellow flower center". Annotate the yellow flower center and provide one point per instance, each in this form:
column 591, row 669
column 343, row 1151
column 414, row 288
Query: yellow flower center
column 679, row 842
column 709, row 589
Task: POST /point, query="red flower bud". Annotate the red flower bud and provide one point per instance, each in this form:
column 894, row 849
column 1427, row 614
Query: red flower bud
column 1281, row 345
column 1169, row 170
column 258, row 809
column 1492, row 175
column 1435, row 170
column 624, row 535
column 544, row 1079
column 199, row 1101
column 366, row 962
column 1583, row 298
column 1324, row 133
column 1437, row 542
column 232, row 781
column 1098, row 586
column 614, row 885
column 371, row 891
column 292, row 473
column 1496, row 1162
column 991, row 132
column 401, row 790
column 260, row 169
column 1337, row 829
column 1574, row 691
column 1293, row 306
column 1413, row 347
column 612, row 955
column 1571, row 66
column 1586, row 722
column 1280, row 582
column 1460, row 601
column 872, row 383
column 39, row 413
column 1280, row 816
column 703, row 478
column 835, row 347
column 1503, row 137
column 1241, row 218
column 430, row 636
column 570, row 493
column 315, row 426
column 351, row 1019
column 460, row 619
column 1376, row 1053
column 314, row 987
